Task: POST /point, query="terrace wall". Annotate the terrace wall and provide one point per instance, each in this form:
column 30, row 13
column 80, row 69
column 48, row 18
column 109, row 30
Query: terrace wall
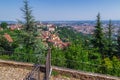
column 62, row 71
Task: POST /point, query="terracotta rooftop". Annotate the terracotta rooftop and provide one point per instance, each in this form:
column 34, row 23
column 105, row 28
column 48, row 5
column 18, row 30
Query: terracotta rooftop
column 55, row 39
column 8, row 37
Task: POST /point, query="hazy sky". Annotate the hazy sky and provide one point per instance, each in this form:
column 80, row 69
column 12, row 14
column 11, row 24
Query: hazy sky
column 62, row 9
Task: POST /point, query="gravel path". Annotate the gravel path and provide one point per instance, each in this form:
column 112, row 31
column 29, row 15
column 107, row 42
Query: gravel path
column 12, row 73
column 18, row 73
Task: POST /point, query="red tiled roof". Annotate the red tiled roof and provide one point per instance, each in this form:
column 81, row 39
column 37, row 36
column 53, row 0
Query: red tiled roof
column 13, row 27
column 53, row 38
column 8, row 37
column 52, row 26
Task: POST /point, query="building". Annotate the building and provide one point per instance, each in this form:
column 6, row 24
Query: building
column 15, row 27
column 8, row 37
column 54, row 39
column 51, row 28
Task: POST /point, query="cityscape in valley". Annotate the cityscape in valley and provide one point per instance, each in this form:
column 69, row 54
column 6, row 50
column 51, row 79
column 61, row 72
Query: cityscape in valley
column 85, row 27
column 60, row 40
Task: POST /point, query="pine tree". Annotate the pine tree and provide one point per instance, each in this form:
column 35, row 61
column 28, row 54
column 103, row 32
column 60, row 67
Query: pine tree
column 32, row 44
column 98, row 41
column 118, row 43
column 110, row 40
column 28, row 17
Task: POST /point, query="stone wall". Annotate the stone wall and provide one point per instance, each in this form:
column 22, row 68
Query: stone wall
column 63, row 71
column 83, row 75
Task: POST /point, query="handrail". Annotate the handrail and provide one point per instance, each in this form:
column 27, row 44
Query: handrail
column 30, row 76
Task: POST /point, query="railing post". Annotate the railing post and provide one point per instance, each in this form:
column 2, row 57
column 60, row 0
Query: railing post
column 48, row 65
column 39, row 73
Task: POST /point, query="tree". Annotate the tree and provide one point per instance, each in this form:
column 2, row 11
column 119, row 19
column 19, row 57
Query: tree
column 98, row 41
column 58, row 57
column 30, row 42
column 3, row 25
column 118, row 43
column 28, row 17
column 5, row 45
column 110, row 45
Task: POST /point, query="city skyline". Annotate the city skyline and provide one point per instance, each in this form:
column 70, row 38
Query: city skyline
column 45, row 10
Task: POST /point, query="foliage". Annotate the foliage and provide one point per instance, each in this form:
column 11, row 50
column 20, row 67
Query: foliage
column 4, row 57
column 25, row 46
column 110, row 41
column 3, row 25
column 108, row 65
column 5, row 45
column 29, row 20
column 79, row 55
column 118, row 44
column 58, row 61
column 111, row 66
column 24, row 57
column 116, row 66
column 98, row 39
column 30, row 42
column 55, row 73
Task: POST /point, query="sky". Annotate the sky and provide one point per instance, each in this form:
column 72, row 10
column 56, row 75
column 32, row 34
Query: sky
column 51, row 10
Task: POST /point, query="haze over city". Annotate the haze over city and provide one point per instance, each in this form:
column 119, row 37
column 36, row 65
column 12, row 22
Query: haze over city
column 44, row 10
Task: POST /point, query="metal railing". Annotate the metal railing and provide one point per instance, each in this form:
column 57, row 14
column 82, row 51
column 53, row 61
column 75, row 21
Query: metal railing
column 34, row 74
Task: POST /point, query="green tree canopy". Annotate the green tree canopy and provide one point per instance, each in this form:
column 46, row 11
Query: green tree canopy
column 3, row 25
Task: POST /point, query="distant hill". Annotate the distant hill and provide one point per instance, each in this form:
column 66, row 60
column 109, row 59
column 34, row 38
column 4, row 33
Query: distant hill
column 9, row 22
